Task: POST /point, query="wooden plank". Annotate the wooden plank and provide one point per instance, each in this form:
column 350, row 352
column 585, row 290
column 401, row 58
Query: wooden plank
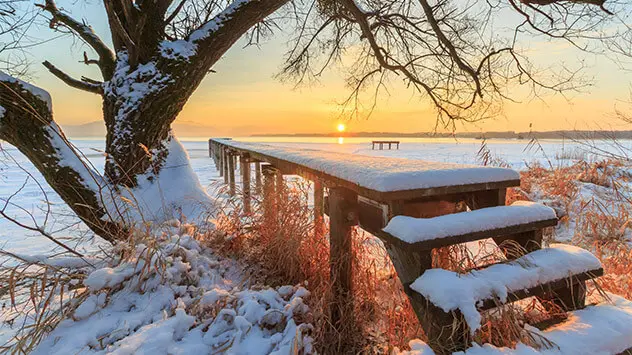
column 311, row 174
column 503, row 233
column 343, row 205
column 543, row 291
column 245, row 181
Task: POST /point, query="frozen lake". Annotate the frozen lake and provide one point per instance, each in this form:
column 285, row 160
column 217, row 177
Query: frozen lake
column 31, row 197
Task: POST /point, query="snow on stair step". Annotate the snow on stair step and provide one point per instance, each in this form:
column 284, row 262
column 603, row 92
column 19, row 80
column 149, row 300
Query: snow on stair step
column 451, row 291
column 414, row 230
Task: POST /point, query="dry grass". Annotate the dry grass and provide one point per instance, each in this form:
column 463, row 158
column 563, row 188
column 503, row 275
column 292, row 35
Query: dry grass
column 599, row 221
column 293, row 249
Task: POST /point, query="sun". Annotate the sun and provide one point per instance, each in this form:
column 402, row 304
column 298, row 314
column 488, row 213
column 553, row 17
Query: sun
column 341, row 127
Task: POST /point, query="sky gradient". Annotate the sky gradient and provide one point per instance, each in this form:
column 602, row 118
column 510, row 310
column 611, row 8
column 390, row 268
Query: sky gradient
column 244, row 98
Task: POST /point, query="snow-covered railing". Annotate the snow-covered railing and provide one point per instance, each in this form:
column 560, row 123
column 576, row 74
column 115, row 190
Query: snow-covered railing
column 378, row 178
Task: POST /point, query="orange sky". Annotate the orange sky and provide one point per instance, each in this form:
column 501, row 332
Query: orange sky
column 243, row 97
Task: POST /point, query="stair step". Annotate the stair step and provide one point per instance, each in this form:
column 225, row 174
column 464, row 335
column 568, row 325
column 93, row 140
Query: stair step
column 463, row 227
column 535, row 274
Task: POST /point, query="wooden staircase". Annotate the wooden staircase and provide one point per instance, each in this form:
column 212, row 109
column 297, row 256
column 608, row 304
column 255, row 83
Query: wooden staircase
column 518, row 232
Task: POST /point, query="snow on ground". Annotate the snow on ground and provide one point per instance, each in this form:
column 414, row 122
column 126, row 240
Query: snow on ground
column 175, row 193
column 413, row 230
column 449, row 290
column 603, row 329
column 179, row 298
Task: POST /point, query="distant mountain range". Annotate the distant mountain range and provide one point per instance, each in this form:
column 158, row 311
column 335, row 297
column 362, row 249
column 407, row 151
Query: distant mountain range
column 97, row 129
column 191, row 129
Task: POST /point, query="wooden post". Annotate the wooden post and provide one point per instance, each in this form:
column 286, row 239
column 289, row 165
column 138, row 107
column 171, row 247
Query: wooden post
column 245, row 181
column 258, row 176
column 220, row 152
column 226, row 165
column 319, row 193
column 231, row 173
column 269, row 195
column 343, row 215
column 280, row 188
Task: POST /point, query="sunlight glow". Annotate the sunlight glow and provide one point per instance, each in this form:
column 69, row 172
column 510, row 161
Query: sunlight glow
column 341, row 140
column 341, row 127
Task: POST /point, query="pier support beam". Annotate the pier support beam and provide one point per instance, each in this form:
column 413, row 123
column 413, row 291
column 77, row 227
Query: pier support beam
column 258, row 176
column 280, row 188
column 319, row 193
column 269, row 193
column 343, row 215
column 245, row 181
column 226, row 164
column 231, row 173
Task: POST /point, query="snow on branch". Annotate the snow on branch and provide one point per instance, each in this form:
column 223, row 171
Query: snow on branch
column 106, row 56
column 213, row 38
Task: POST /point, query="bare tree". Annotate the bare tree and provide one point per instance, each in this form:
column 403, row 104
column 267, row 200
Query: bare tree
column 447, row 51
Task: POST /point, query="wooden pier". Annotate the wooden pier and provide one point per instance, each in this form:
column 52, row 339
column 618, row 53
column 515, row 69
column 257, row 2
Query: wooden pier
column 370, row 191
column 381, row 144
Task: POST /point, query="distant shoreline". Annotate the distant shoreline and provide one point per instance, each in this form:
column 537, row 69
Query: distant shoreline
column 475, row 135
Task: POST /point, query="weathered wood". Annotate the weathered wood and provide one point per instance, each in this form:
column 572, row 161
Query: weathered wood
column 226, row 165
column 343, row 215
column 319, row 194
column 220, row 153
column 446, row 332
column 280, row 188
column 245, row 181
column 269, row 193
column 550, row 290
column 520, row 233
column 231, row 173
column 258, row 176
column 288, row 167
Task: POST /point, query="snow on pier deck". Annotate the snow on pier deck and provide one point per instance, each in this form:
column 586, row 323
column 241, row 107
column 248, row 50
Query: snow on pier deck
column 381, row 178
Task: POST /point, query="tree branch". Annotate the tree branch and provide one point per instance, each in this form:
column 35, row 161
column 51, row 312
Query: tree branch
column 216, row 36
column 77, row 84
column 85, row 32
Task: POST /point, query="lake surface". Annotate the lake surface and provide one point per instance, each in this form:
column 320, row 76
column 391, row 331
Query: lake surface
column 517, row 153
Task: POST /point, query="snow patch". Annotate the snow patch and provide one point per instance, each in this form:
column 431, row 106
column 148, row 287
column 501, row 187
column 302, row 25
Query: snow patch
column 186, row 301
column 175, row 193
column 450, row 291
column 414, row 230
column 40, row 93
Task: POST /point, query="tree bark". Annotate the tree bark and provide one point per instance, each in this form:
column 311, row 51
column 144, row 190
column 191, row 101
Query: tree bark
column 26, row 122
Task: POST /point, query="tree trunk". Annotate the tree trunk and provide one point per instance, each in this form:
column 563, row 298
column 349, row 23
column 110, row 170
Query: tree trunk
column 147, row 81
column 26, row 122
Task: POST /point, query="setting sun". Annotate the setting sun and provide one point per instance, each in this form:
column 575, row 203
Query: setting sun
column 341, row 127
